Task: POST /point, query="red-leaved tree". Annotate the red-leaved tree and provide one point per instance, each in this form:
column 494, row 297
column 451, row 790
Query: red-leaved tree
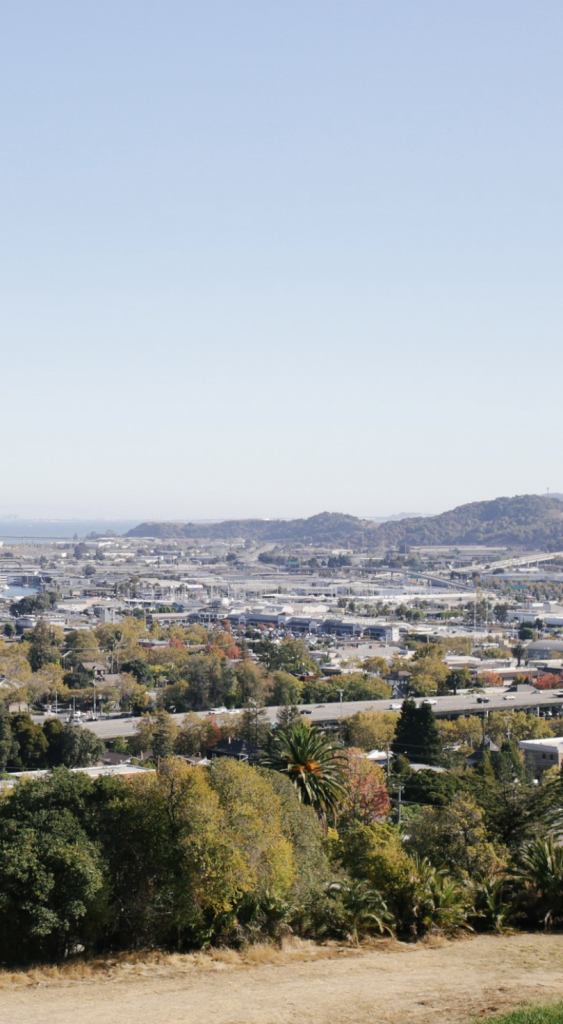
column 367, row 797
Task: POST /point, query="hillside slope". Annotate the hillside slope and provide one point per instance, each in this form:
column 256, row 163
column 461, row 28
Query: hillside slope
column 528, row 521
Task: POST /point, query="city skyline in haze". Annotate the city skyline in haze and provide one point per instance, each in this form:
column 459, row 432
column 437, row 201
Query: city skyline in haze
column 269, row 260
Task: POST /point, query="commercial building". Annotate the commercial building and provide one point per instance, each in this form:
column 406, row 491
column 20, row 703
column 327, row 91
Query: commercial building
column 546, row 753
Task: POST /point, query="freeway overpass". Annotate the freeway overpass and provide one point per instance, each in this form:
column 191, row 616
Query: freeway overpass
column 330, row 715
column 509, row 563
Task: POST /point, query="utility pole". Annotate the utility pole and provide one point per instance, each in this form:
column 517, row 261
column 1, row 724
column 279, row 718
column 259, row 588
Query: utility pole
column 399, row 805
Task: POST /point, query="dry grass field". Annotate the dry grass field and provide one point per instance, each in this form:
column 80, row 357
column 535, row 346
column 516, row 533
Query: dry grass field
column 390, row 983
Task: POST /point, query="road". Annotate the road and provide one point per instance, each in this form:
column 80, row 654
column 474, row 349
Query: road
column 331, row 714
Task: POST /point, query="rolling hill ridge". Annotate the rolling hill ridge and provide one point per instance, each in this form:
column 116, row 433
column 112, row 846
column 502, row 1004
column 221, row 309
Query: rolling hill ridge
column 529, row 522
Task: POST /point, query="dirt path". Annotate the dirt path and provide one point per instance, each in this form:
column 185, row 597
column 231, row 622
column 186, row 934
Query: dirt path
column 393, row 984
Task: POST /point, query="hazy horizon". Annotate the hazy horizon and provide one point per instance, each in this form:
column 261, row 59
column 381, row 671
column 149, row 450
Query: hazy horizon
column 264, row 260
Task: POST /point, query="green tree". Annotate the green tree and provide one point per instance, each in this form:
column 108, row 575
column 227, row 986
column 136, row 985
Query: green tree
column 364, row 908
column 29, row 745
column 287, row 715
column 253, row 725
column 34, row 605
column 289, row 655
column 79, row 747
column 516, row 811
column 6, row 739
column 525, row 632
column 518, row 652
column 417, row 736
column 429, row 787
column 419, row 896
column 45, row 644
column 458, row 679
column 50, row 877
column 139, row 668
column 165, row 734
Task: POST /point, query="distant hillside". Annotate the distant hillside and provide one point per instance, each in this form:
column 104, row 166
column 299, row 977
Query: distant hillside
column 530, row 521
column 325, row 528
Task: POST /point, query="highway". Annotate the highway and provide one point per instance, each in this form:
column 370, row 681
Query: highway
column 332, row 714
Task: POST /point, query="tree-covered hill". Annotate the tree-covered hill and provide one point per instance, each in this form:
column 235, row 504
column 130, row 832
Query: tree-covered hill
column 527, row 521
column 325, row 528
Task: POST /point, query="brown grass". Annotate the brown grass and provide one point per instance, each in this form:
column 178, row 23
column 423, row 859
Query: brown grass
column 383, row 982
column 125, row 966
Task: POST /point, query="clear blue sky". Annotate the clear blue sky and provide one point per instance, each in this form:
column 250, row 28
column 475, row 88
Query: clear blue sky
column 270, row 258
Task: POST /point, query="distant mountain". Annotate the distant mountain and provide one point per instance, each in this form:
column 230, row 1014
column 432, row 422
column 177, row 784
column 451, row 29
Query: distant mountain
column 531, row 522
column 398, row 515
column 325, row 528
column 528, row 521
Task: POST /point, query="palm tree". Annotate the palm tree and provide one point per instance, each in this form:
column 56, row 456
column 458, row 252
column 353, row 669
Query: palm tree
column 365, row 909
column 539, row 882
column 313, row 762
column 440, row 902
column 519, row 651
column 493, row 904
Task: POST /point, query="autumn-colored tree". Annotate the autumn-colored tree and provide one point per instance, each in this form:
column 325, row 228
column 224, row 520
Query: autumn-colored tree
column 252, row 682
column 197, row 635
column 466, row 730
column 377, row 666
column 371, row 730
column 516, row 725
column 254, row 823
column 455, row 837
column 548, row 681
column 83, row 645
column 428, row 670
column 287, row 689
column 367, row 798
column 48, row 683
column 197, row 733
column 490, row 679
column 14, row 665
column 222, row 644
